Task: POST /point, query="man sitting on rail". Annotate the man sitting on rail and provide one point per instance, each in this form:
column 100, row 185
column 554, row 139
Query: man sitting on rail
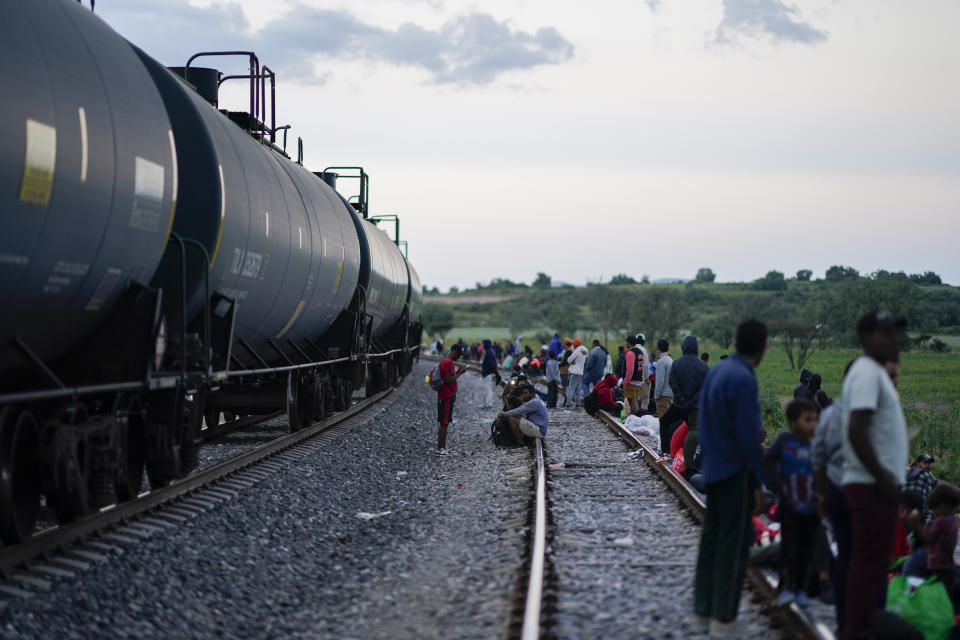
column 530, row 418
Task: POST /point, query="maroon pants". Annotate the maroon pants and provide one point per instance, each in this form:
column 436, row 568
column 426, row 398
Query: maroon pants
column 873, row 520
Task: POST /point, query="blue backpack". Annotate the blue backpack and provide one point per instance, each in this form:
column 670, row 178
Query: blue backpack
column 435, row 379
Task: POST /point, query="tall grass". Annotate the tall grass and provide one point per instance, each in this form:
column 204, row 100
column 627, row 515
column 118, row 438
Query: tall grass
column 937, row 433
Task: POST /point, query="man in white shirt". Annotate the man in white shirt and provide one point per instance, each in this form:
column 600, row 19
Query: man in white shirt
column 875, row 454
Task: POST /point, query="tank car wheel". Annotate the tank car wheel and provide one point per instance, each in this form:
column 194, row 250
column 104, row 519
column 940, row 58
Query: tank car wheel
column 73, row 501
column 328, row 397
column 19, row 478
column 294, row 413
column 130, row 417
column 211, row 417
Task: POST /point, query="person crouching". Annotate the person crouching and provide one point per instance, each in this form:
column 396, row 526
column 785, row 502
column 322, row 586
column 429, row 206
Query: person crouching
column 530, row 418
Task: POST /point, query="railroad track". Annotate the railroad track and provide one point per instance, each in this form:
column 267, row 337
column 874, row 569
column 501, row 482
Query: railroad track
column 63, row 550
column 581, row 565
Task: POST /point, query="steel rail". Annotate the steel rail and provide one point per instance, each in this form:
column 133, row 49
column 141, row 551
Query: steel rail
column 531, row 615
column 49, row 541
column 807, row 627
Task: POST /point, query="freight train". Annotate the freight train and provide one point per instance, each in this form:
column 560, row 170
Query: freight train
column 164, row 262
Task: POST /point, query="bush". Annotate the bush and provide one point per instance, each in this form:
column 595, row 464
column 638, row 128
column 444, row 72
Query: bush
column 939, row 346
column 771, row 411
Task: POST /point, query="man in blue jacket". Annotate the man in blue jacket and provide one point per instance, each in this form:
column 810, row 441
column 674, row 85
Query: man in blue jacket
column 556, row 344
column 593, row 367
column 685, row 379
column 732, row 464
column 488, row 370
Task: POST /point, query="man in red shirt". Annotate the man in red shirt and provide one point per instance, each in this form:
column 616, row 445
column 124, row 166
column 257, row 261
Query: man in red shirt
column 447, row 394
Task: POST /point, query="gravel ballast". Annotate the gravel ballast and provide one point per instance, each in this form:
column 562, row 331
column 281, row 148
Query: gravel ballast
column 622, row 551
column 290, row 557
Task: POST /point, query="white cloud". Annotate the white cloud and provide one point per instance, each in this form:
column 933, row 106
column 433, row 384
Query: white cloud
column 773, row 19
column 469, row 49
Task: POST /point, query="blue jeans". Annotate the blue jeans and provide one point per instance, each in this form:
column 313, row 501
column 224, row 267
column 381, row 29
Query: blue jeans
column 589, row 379
column 576, row 380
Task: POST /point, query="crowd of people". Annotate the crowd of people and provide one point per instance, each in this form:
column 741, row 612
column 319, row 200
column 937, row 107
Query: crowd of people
column 833, row 493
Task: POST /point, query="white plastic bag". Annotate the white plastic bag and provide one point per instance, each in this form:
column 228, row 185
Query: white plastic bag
column 647, row 426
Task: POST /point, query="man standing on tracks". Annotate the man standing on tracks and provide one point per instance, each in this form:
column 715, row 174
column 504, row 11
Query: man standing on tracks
column 662, row 393
column 875, row 453
column 730, row 432
column 633, row 375
column 593, row 367
column 447, row 394
column 577, row 359
column 489, row 372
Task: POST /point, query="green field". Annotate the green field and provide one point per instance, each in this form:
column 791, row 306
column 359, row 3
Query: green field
column 929, row 388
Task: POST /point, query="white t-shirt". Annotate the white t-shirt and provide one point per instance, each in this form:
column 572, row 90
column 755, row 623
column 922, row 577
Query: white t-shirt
column 867, row 386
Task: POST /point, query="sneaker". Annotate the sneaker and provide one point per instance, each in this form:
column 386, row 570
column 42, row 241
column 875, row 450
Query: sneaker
column 443, row 452
column 486, row 407
column 699, row 623
column 786, row 597
column 803, row 600
column 733, row 629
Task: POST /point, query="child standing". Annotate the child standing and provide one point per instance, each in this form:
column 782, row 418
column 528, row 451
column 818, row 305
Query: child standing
column 790, row 460
column 553, row 379
column 941, row 534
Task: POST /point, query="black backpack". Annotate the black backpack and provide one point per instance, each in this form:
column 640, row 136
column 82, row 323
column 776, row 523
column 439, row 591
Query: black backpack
column 591, row 404
column 501, row 434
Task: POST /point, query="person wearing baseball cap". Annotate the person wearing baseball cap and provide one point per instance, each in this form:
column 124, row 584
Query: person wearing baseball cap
column 875, row 454
column 921, row 480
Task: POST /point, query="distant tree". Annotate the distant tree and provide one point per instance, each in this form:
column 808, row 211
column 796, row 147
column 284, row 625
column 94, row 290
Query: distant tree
column 804, row 275
column 721, row 330
column 435, row 291
column 836, row 273
column 773, row 281
column 622, row 278
column 564, row 320
column 928, row 277
column 543, row 280
column 645, row 279
column 659, row 312
column 425, row 290
column 504, row 283
column 609, row 309
column 798, row 338
column 454, row 290
column 437, row 319
column 705, row 274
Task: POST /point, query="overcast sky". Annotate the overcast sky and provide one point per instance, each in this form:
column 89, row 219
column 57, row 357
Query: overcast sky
column 645, row 137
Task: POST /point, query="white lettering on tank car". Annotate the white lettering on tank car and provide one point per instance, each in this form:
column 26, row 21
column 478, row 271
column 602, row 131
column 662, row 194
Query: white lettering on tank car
column 236, row 294
column 246, row 263
column 251, row 264
column 222, row 308
column 147, row 195
column 71, row 268
column 237, row 261
column 107, row 284
column 14, row 259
